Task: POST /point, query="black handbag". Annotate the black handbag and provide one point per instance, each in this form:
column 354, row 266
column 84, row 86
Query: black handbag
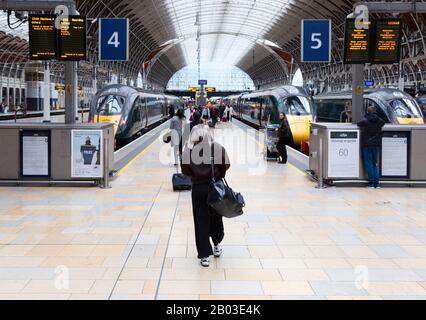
column 222, row 198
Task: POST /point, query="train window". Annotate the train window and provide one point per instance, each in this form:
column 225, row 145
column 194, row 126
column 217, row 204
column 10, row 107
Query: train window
column 154, row 106
column 270, row 112
column 330, row 110
column 110, row 105
column 296, row 106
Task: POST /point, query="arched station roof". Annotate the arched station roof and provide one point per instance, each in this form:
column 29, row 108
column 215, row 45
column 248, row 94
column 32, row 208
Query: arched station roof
column 228, row 31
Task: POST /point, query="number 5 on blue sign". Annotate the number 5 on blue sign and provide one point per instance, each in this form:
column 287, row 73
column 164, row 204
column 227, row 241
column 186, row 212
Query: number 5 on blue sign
column 316, row 41
column 113, row 39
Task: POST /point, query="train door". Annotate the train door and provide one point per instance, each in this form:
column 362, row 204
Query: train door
column 144, row 112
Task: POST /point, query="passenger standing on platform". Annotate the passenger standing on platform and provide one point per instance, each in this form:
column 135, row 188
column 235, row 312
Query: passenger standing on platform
column 196, row 120
column 345, row 116
column 176, row 128
column 188, row 113
column 229, row 111
column 221, row 110
column 197, row 165
column 283, row 138
column 215, row 115
column 206, row 114
column 371, row 135
column 424, row 112
column 171, row 111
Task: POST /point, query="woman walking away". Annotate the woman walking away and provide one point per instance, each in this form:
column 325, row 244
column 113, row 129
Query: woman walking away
column 283, row 138
column 205, row 114
column 197, row 165
column 176, row 127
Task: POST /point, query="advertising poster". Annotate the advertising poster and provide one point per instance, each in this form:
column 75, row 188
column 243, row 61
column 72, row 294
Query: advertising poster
column 343, row 154
column 395, row 154
column 86, row 154
column 35, row 153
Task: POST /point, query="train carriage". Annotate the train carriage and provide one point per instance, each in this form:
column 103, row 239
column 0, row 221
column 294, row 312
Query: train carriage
column 131, row 110
column 262, row 108
column 393, row 106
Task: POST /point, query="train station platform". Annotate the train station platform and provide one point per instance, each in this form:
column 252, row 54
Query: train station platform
column 136, row 240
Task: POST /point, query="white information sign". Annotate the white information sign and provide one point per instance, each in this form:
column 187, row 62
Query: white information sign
column 343, row 154
column 395, row 156
column 86, row 154
column 35, row 155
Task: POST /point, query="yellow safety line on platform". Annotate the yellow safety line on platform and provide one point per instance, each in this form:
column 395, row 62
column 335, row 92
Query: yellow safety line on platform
column 136, row 157
column 297, row 170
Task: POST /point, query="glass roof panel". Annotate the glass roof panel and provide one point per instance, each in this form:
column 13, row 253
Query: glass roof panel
column 227, row 29
column 222, row 77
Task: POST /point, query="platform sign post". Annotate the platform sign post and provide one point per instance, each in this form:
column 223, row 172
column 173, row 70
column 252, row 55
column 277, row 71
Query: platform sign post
column 113, row 39
column 316, row 41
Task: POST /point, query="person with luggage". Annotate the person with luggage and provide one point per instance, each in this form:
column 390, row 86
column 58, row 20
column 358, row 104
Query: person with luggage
column 371, row 135
column 205, row 114
column 197, row 165
column 283, row 138
column 176, row 128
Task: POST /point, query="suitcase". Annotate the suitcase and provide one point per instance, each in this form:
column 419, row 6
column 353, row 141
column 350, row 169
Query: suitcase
column 181, row 182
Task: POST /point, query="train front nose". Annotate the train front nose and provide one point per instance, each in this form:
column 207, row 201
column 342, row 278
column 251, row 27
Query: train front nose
column 115, row 120
column 300, row 129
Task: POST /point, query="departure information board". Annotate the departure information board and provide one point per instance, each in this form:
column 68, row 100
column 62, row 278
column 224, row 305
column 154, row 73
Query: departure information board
column 357, row 43
column 42, row 37
column 387, row 40
column 72, row 39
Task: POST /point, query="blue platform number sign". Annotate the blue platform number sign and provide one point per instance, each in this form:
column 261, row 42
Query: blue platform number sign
column 113, row 39
column 369, row 83
column 202, row 82
column 316, row 41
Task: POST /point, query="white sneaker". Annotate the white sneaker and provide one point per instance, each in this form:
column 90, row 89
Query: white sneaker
column 217, row 252
column 205, row 262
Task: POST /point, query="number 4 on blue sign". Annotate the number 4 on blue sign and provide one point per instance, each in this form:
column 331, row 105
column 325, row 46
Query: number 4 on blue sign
column 316, row 41
column 113, row 39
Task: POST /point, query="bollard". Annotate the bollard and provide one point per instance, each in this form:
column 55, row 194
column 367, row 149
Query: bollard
column 106, row 184
column 320, row 157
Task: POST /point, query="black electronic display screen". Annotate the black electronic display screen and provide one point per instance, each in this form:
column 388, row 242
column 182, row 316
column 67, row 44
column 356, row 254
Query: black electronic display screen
column 387, row 44
column 42, row 37
column 72, row 39
column 357, row 44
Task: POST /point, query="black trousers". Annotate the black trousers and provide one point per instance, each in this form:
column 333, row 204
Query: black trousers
column 207, row 224
column 282, row 150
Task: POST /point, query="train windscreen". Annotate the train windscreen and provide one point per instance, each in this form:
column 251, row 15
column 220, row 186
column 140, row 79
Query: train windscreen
column 297, row 105
column 405, row 108
column 110, row 105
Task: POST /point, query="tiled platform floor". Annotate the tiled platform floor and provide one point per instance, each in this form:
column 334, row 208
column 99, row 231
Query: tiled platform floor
column 136, row 240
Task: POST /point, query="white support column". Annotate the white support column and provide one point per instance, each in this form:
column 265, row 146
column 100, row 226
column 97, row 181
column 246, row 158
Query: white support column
column 46, row 98
column 401, row 82
column 94, row 80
